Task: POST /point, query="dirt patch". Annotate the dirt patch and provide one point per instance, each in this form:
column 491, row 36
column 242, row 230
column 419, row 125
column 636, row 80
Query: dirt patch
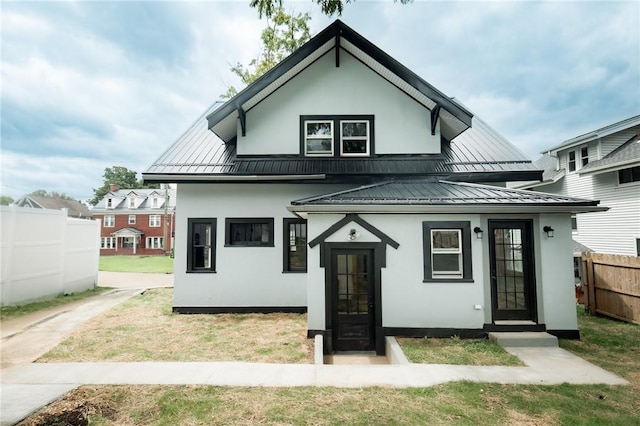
column 144, row 328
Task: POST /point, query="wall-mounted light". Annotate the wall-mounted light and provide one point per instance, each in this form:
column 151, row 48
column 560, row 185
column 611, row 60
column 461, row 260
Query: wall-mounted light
column 549, row 231
column 479, row 232
column 353, row 234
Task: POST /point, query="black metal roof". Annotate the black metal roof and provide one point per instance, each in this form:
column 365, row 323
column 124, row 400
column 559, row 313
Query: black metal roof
column 439, row 192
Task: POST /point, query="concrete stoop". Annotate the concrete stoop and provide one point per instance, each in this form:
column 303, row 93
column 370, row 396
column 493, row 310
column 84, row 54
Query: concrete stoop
column 524, row 339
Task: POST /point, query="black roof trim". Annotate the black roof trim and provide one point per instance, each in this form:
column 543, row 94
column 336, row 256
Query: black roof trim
column 339, row 29
column 352, row 217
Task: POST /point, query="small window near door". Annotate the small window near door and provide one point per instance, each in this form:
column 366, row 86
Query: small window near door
column 201, row 245
column 245, row 232
column 295, row 245
column 574, row 223
column 447, row 251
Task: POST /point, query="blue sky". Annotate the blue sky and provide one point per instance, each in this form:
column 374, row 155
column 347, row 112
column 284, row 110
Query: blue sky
column 88, row 85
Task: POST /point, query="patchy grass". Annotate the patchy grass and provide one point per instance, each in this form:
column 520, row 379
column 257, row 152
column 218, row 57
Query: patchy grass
column 456, row 351
column 11, row 312
column 148, row 264
column 144, row 329
column 610, row 344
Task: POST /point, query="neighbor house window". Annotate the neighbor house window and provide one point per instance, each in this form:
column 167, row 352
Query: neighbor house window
column 295, row 245
column 584, row 156
column 132, row 203
column 109, row 203
column 574, row 223
column 132, row 219
column 249, row 232
column 328, row 136
column 154, row 202
column 447, row 251
column 109, row 221
column 155, row 242
column 201, row 242
column 572, row 161
column 108, row 242
column 154, row 220
column 632, row 174
column 129, row 242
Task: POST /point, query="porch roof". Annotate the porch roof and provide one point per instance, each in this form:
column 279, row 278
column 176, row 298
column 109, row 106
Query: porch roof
column 441, row 195
column 127, row 232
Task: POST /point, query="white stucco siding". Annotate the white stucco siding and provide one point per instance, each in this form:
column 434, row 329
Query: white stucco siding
column 406, row 300
column 401, row 125
column 554, row 273
column 245, row 276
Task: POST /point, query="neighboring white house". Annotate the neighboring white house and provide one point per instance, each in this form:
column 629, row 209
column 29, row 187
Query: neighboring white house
column 343, row 185
column 603, row 164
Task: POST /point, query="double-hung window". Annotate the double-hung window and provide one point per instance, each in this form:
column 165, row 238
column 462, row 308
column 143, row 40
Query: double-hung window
column 154, row 220
column 249, row 232
column 295, row 245
column 572, row 161
column 108, row 242
column 629, row 175
column 132, row 219
column 330, row 136
column 155, row 242
column 584, row 156
column 109, row 221
column 201, row 242
column 447, row 251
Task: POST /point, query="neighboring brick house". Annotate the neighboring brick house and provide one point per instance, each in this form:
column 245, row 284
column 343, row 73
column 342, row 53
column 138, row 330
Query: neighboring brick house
column 136, row 221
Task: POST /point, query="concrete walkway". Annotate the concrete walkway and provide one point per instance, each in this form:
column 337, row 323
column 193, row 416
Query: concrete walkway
column 27, row 386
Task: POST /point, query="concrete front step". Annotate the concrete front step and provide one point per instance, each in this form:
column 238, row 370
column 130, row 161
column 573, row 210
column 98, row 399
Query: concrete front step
column 524, row 339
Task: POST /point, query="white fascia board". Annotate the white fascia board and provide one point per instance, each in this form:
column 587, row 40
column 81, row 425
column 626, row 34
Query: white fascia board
column 303, row 211
column 610, row 167
column 229, row 178
column 595, row 135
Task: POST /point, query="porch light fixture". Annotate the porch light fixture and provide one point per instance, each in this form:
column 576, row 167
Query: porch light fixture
column 549, row 231
column 479, row 232
column 353, row 234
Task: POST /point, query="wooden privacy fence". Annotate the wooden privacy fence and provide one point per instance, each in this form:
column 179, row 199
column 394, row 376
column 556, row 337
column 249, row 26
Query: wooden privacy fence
column 611, row 285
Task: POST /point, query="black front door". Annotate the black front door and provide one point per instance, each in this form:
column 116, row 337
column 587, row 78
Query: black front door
column 353, row 301
column 512, row 270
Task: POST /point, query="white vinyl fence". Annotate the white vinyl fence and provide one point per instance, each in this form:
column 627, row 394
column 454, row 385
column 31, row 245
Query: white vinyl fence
column 45, row 254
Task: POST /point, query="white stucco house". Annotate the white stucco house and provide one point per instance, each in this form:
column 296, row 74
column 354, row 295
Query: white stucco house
column 603, row 164
column 343, row 185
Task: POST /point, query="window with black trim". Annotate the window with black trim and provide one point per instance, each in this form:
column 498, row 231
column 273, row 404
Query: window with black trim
column 447, row 251
column 295, row 245
column 574, row 223
column 201, row 242
column 329, row 136
column 249, row 232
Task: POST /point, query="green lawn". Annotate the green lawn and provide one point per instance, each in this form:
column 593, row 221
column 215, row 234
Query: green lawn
column 9, row 312
column 610, row 344
column 149, row 264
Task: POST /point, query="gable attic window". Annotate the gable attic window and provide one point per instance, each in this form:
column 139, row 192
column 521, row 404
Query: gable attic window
column 154, row 202
column 109, row 203
column 329, row 136
column 584, row 156
column 132, row 203
column 572, row 161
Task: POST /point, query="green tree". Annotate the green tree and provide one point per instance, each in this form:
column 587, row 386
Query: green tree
column 116, row 175
column 329, row 7
column 52, row 194
column 5, row 200
column 284, row 34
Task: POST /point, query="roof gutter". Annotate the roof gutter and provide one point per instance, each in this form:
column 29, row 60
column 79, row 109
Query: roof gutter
column 467, row 209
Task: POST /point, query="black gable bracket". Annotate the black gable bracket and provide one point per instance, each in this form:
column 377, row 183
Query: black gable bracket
column 337, row 50
column 243, row 120
column 435, row 113
column 352, row 217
